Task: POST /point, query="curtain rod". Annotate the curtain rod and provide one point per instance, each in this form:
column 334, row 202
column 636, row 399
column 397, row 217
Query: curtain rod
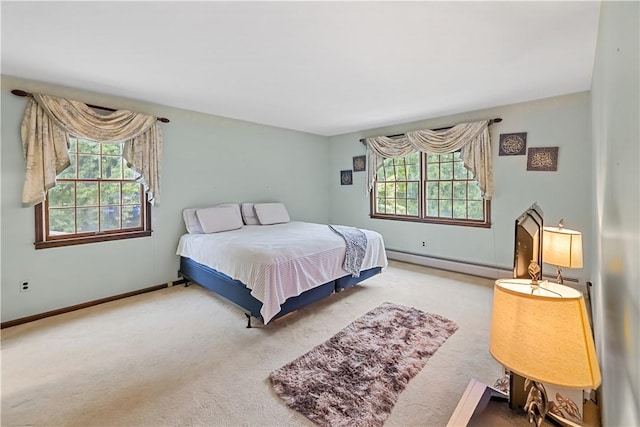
column 19, row 92
column 492, row 121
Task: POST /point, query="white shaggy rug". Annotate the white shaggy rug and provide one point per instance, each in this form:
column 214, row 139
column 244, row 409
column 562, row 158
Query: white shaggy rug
column 355, row 377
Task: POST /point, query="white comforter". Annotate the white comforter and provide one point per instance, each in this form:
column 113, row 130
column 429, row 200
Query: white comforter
column 278, row 261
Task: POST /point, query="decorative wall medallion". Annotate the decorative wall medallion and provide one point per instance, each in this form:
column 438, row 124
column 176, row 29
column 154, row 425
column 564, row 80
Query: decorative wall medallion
column 359, row 163
column 542, row 159
column 513, row 144
column 346, row 177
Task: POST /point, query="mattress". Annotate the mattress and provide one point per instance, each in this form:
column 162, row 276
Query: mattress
column 279, row 261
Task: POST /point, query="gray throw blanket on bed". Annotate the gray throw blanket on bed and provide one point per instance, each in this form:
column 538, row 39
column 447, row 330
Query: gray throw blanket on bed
column 356, row 242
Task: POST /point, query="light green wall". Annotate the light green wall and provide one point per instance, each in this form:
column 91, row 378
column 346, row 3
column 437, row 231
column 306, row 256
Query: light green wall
column 206, row 160
column 616, row 222
column 562, row 121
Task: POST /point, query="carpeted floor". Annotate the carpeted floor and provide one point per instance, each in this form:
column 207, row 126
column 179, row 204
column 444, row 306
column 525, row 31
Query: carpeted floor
column 181, row 356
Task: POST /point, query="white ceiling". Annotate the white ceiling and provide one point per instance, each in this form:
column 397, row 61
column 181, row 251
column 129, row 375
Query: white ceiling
column 321, row 67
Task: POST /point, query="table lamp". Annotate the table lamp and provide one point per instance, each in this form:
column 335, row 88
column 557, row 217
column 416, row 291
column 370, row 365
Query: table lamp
column 561, row 247
column 542, row 333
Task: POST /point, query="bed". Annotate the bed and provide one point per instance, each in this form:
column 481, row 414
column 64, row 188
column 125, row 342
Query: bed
column 270, row 270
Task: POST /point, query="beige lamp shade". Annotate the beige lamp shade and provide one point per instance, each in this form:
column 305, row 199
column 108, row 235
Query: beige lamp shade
column 562, row 247
column 544, row 335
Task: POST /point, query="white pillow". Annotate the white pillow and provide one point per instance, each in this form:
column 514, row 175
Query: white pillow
column 219, row 218
column 248, row 214
column 271, row 213
column 236, row 206
column 191, row 221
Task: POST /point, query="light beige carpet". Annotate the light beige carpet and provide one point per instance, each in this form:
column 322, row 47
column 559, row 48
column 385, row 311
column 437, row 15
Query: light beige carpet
column 181, row 356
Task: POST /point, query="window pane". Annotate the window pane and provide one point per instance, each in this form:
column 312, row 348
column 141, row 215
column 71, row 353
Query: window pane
column 433, row 158
column 380, row 206
column 389, row 173
column 412, row 190
column 391, row 190
column 63, row 194
column 131, row 217
column 446, row 170
column 476, row 210
column 401, row 207
column 446, row 157
column 110, row 218
column 88, row 167
column 401, row 190
column 460, row 190
column 380, row 190
column 73, row 145
column 412, row 207
column 433, row 171
column 460, row 172
column 87, row 194
column 109, row 193
column 432, row 190
column 446, row 188
column 113, row 148
column 459, row 208
column 413, row 172
column 445, row 208
column 402, row 173
column 70, row 172
column 89, row 147
column 474, row 191
column 130, row 193
column 390, row 206
column 62, row 221
column 432, row 208
column 87, row 219
column 111, row 167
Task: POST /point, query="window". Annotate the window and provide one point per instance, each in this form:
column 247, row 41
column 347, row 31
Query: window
column 95, row 199
column 434, row 188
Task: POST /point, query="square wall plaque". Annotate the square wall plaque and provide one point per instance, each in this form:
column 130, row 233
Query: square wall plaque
column 359, row 163
column 346, row 177
column 542, row 159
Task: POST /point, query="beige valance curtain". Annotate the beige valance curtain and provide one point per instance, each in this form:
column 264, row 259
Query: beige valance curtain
column 49, row 121
column 472, row 139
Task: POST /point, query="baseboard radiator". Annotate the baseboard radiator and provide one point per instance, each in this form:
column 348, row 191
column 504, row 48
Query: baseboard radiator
column 466, row 267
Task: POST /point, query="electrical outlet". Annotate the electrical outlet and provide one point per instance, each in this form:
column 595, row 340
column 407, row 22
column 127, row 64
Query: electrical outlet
column 423, row 243
column 25, row 286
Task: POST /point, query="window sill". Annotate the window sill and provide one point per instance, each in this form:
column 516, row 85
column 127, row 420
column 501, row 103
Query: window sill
column 479, row 224
column 91, row 239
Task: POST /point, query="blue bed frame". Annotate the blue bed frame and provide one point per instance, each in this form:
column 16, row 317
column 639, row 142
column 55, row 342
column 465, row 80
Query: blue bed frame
column 239, row 295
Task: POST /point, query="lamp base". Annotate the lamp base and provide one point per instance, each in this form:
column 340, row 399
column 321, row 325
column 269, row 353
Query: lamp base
column 559, row 279
column 517, row 391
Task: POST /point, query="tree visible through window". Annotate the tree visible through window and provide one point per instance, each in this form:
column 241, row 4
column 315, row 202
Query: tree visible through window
column 429, row 188
column 97, row 198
